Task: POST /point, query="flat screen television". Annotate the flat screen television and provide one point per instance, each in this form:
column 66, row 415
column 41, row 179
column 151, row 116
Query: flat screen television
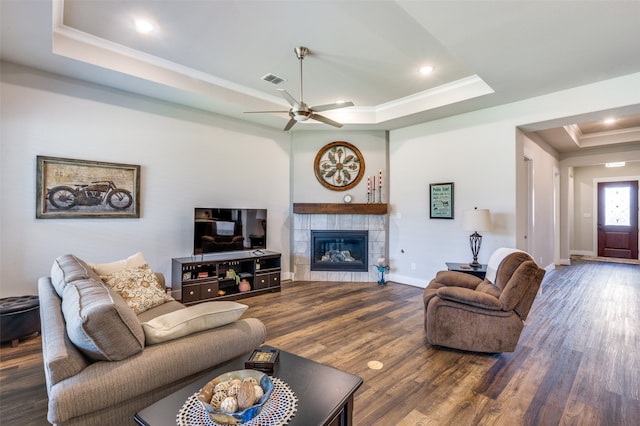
column 221, row 230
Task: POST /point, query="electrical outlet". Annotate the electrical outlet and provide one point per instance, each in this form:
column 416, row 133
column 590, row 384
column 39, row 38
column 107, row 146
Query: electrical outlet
column 413, row 266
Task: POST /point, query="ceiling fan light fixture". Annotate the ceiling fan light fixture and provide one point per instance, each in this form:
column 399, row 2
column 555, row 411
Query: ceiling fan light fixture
column 301, row 115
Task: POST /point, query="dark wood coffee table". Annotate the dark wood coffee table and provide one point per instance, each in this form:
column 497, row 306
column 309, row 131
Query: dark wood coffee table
column 325, row 394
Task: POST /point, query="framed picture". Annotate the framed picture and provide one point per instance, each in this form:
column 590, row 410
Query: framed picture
column 441, row 200
column 68, row 188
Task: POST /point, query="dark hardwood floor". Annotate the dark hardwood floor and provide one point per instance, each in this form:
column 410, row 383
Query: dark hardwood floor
column 577, row 363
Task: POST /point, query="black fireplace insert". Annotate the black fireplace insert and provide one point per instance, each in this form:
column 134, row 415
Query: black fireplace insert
column 340, row 250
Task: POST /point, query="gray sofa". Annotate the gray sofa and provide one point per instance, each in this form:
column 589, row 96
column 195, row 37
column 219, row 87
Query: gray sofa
column 98, row 369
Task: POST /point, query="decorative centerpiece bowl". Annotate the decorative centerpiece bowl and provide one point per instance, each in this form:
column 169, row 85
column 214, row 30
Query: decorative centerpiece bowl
column 217, row 396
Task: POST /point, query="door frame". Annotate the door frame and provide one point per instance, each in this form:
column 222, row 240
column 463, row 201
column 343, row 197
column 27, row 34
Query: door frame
column 529, row 205
column 596, row 181
column 556, row 215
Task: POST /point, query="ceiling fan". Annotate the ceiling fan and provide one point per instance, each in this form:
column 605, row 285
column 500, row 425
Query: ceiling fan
column 299, row 110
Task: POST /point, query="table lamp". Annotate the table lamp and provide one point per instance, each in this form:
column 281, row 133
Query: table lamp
column 476, row 220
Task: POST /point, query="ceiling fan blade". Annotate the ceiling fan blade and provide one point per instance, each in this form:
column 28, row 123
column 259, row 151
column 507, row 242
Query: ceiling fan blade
column 290, row 124
column 288, row 97
column 335, row 105
column 326, row 120
column 261, row 112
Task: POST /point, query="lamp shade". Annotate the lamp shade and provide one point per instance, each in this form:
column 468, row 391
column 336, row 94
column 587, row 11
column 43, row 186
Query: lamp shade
column 476, row 220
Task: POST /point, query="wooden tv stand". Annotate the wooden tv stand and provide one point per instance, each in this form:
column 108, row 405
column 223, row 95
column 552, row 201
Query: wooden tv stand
column 203, row 278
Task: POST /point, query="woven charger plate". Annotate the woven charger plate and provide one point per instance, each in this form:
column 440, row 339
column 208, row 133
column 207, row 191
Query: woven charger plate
column 278, row 410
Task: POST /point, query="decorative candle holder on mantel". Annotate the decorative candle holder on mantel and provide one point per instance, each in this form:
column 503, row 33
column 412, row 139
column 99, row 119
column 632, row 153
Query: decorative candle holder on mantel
column 371, row 189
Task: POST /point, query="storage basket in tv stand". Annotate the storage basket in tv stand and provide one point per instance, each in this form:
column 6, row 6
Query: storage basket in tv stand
column 202, row 278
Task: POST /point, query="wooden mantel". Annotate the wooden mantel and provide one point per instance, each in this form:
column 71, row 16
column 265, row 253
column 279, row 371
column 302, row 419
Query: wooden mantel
column 339, row 208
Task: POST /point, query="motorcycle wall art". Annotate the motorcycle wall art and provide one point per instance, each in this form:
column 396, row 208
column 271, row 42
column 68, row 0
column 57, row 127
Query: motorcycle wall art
column 79, row 188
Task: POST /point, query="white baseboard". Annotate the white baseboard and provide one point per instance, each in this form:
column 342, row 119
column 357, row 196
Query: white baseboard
column 287, row 276
column 402, row 279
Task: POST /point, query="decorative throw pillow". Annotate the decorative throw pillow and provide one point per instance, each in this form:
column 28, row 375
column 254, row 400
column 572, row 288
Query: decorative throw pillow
column 139, row 287
column 134, row 261
column 191, row 319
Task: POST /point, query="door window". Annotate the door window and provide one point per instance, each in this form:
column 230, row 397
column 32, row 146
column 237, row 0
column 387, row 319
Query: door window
column 617, row 206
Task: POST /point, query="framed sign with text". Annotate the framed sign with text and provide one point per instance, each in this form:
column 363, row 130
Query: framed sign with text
column 441, row 200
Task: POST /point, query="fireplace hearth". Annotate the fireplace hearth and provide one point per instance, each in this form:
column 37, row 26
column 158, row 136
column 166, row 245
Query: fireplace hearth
column 339, row 250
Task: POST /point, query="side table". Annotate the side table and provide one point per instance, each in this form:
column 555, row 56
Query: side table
column 478, row 271
column 257, row 241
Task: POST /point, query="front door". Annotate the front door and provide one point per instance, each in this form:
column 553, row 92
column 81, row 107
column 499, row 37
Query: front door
column 618, row 219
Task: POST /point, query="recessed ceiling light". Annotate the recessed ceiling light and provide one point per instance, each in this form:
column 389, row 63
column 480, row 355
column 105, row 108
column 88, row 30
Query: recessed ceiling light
column 426, row 69
column 143, row 26
column 609, row 120
column 617, row 164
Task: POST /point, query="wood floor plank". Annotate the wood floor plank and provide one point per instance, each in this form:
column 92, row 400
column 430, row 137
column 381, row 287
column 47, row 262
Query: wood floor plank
column 553, row 392
column 496, row 378
column 577, row 362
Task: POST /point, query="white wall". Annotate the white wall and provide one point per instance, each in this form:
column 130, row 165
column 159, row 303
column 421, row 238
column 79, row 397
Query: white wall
column 482, row 153
column 188, row 159
column 478, row 157
column 304, row 147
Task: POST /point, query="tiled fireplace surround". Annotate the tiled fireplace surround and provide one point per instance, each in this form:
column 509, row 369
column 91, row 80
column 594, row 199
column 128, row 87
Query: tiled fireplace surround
column 376, row 224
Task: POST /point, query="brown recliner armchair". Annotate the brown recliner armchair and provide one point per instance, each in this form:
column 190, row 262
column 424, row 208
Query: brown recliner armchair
column 466, row 312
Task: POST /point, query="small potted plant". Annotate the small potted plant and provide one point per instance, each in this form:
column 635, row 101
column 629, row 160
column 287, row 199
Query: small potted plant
column 231, row 274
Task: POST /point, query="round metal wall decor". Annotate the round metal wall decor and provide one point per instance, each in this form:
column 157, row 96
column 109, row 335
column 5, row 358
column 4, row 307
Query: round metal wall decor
column 339, row 166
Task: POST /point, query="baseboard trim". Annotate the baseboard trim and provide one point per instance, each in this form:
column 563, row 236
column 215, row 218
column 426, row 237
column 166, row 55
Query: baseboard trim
column 403, row 279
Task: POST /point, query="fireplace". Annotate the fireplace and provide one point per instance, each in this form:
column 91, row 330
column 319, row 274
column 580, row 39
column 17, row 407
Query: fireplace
column 339, row 250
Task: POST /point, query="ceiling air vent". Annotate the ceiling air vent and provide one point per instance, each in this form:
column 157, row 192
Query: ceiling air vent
column 271, row 78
